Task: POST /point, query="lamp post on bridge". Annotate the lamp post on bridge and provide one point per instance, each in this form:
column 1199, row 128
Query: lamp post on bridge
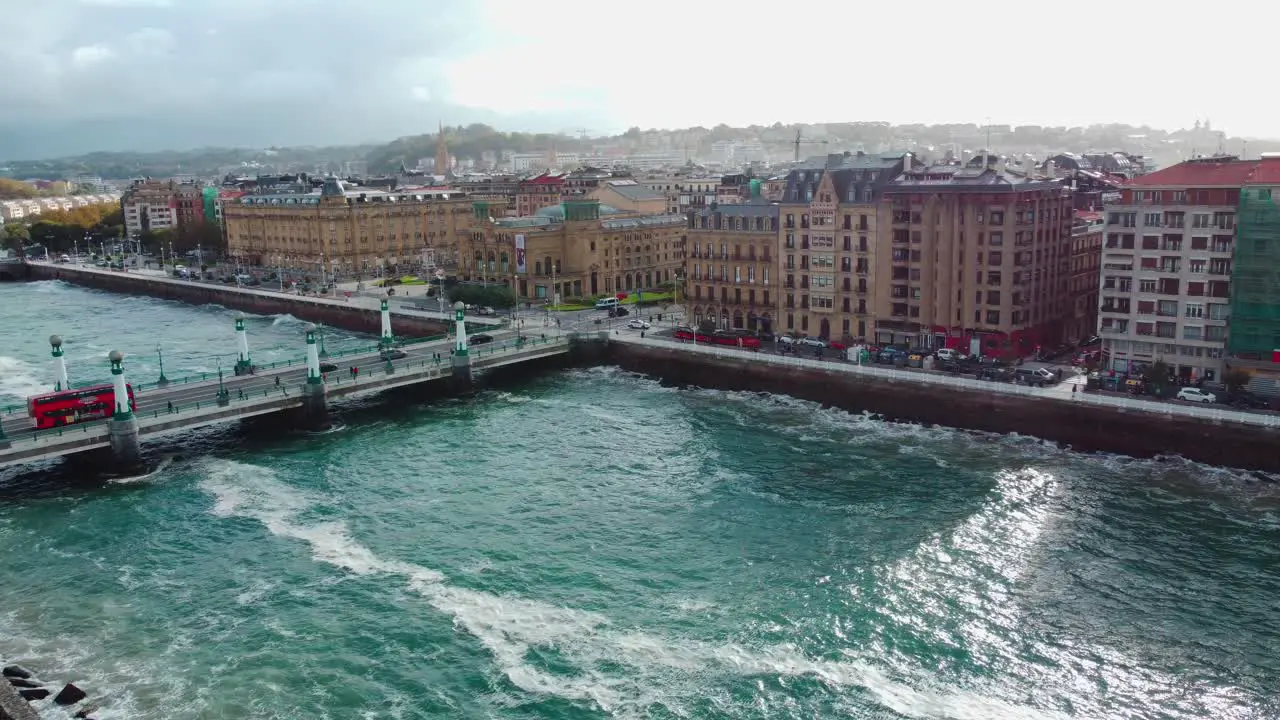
column 163, row 381
column 224, row 397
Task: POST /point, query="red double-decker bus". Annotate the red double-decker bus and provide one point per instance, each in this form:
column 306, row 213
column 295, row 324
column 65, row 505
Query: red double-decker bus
column 68, row 407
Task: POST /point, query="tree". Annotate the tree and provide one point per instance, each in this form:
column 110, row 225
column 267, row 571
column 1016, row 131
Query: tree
column 16, row 190
column 1157, row 376
column 497, row 296
column 15, row 236
column 707, row 326
column 1235, row 379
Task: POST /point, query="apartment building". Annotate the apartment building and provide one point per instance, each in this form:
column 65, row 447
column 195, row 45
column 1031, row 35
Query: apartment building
column 350, row 232
column 1086, row 264
column 576, row 249
column 732, row 276
column 1167, row 265
column 832, row 218
column 160, row 205
column 1253, row 343
column 974, row 257
column 535, row 193
column 629, row 195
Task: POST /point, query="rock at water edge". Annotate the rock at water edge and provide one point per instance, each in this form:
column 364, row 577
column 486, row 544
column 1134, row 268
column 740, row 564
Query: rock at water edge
column 16, row 671
column 34, row 693
column 24, row 682
column 70, row 695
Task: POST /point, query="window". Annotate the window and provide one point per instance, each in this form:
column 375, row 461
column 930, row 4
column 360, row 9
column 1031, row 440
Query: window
column 994, row 258
column 1193, row 310
column 993, row 317
column 1192, row 332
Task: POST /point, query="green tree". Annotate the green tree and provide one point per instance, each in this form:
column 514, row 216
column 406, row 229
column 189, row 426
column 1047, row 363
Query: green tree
column 1235, row 379
column 15, row 236
column 1157, row 377
column 497, row 296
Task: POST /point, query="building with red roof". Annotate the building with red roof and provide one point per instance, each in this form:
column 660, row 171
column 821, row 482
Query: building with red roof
column 1167, row 268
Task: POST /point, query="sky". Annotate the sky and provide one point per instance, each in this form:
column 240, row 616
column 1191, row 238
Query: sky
column 83, row 75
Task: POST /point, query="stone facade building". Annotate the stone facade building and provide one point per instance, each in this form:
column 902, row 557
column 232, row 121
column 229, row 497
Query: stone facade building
column 348, row 232
column 731, row 276
column 976, row 258
column 579, row 248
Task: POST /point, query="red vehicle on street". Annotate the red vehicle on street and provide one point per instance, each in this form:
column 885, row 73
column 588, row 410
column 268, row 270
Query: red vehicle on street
column 68, row 407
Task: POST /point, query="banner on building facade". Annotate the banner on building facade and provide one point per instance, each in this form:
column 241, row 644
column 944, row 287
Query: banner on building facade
column 520, row 254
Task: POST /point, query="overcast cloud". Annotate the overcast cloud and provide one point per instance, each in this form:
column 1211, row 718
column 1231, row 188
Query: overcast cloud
column 154, row 74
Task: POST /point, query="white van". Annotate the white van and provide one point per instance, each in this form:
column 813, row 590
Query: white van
column 607, row 303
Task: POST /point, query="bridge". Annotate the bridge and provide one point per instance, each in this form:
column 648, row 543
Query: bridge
column 303, row 386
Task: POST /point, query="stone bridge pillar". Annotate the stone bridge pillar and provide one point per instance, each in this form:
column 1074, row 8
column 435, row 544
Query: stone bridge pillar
column 244, row 365
column 461, row 359
column 122, row 428
column 60, row 382
column 314, row 409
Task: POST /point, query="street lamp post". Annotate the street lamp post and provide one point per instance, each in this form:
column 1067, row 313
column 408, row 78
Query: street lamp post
column 160, row 356
column 224, row 397
column 280, row 271
column 323, row 353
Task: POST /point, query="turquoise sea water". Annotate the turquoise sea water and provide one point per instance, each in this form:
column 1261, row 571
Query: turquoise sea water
column 590, row 544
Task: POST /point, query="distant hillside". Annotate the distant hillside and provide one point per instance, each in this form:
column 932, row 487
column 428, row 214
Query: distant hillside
column 200, row 162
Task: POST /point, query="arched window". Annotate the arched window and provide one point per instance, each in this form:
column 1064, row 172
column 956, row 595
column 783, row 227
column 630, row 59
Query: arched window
column 537, row 267
column 504, row 262
column 546, row 263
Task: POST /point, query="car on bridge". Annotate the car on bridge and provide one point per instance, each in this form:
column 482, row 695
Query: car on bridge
column 393, row 354
column 480, row 339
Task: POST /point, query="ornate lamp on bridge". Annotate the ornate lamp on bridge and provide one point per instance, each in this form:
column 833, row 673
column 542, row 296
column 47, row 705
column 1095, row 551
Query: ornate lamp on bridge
column 224, row 397
column 163, row 381
column 60, row 382
column 243, row 364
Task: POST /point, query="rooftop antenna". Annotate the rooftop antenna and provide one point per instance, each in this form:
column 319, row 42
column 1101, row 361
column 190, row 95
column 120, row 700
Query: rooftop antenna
column 986, row 154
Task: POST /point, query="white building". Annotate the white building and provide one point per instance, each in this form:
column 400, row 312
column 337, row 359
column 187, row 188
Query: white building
column 1166, row 268
column 142, row 215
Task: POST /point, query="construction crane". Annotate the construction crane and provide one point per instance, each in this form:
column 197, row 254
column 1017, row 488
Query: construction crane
column 801, row 141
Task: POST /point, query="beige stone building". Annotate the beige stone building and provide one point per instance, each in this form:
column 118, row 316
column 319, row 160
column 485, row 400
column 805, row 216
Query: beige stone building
column 630, row 196
column 974, row 257
column 348, row 232
column 830, row 244
column 580, row 248
column 732, row 270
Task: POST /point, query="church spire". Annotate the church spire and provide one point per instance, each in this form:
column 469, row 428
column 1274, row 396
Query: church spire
column 442, row 153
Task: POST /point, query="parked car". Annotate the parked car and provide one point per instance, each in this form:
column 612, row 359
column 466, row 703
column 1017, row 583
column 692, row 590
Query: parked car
column 638, row 324
column 949, row 354
column 1039, row 377
column 812, row 342
column 786, row 340
column 1246, row 400
column 480, row 339
column 618, row 312
column 1192, row 394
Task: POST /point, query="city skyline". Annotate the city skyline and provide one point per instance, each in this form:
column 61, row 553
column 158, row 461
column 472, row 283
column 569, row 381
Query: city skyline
column 146, row 75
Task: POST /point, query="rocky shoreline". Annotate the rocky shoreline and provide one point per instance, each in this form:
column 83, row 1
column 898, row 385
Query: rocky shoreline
column 22, row 694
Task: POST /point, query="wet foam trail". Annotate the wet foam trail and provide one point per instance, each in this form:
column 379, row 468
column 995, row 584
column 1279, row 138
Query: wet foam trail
column 20, row 379
column 670, row 672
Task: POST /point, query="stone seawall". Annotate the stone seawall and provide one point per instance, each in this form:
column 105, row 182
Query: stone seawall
column 325, row 312
column 1081, row 426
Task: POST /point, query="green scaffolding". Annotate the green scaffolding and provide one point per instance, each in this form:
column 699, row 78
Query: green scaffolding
column 1255, row 277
